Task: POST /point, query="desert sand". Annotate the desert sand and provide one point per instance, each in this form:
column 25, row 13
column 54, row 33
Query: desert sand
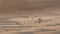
column 29, row 16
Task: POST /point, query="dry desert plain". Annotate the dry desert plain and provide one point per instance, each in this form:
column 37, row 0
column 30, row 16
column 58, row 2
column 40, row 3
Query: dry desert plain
column 29, row 16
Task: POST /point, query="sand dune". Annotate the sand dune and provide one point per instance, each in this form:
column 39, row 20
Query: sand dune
column 28, row 6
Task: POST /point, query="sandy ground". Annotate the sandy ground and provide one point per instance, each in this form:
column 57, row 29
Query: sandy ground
column 21, row 16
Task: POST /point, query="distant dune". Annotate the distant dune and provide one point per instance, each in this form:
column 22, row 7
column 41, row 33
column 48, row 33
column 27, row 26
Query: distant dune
column 28, row 7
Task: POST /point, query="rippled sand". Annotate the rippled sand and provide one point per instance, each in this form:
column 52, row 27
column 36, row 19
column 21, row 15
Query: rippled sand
column 48, row 25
